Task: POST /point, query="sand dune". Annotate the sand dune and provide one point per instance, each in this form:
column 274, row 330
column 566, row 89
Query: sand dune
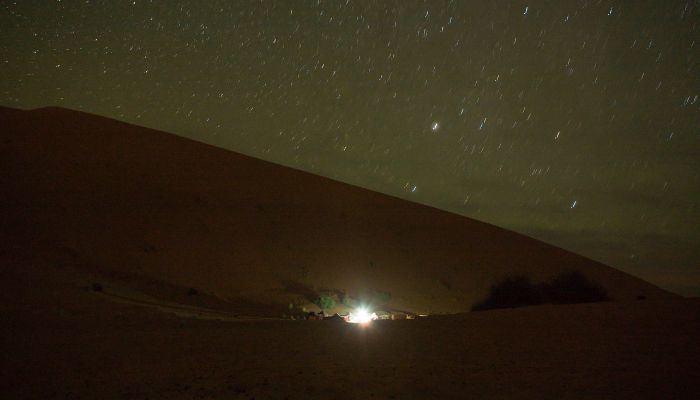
column 105, row 197
column 137, row 264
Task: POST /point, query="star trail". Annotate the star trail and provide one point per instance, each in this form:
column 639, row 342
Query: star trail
column 575, row 122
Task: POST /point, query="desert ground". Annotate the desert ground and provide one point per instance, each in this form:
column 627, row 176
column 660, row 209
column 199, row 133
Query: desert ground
column 78, row 343
column 137, row 264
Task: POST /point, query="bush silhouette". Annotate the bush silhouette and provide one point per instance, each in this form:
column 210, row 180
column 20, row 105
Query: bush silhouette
column 573, row 287
column 566, row 288
column 325, row 302
column 512, row 292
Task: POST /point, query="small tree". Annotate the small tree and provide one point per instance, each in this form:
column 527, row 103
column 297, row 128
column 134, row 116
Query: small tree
column 325, row 302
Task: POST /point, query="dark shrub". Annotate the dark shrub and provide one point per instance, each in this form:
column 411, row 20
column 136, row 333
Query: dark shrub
column 325, row 302
column 192, row 292
column 573, row 287
column 511, row 292
column 96, row 287
column 567, row 288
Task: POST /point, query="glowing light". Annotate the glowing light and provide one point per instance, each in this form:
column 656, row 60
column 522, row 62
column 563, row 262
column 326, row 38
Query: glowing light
column 435, row 126
column 361, row 316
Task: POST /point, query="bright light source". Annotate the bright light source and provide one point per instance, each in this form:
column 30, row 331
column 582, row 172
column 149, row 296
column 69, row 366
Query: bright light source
column 361, row 316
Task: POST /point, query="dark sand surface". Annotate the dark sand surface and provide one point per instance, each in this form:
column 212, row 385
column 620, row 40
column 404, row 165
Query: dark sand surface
column 103, row 349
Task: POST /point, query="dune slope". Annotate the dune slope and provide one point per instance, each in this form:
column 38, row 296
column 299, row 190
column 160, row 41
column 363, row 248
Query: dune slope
column 158, row 214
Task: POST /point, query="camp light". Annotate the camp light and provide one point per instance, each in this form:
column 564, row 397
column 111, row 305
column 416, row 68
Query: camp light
column 361, row 316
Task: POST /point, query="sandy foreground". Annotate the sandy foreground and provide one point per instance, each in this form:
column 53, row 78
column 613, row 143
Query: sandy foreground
column 95, row 347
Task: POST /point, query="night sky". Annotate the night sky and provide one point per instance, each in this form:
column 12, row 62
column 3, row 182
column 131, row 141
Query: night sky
column 576, row 122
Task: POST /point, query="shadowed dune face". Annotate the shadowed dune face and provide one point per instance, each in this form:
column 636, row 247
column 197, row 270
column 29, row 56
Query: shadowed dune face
column 107, row 197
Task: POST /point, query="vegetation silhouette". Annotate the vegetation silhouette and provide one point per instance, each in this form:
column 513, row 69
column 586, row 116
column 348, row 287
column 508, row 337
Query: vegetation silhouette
column 517, row 291
column 325, row 302
column 571, row 288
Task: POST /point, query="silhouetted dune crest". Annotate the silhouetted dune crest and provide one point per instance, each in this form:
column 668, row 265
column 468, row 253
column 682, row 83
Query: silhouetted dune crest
column 241, row 227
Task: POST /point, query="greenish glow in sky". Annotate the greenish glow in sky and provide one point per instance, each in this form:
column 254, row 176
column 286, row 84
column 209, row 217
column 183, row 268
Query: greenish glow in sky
column 574, row 122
